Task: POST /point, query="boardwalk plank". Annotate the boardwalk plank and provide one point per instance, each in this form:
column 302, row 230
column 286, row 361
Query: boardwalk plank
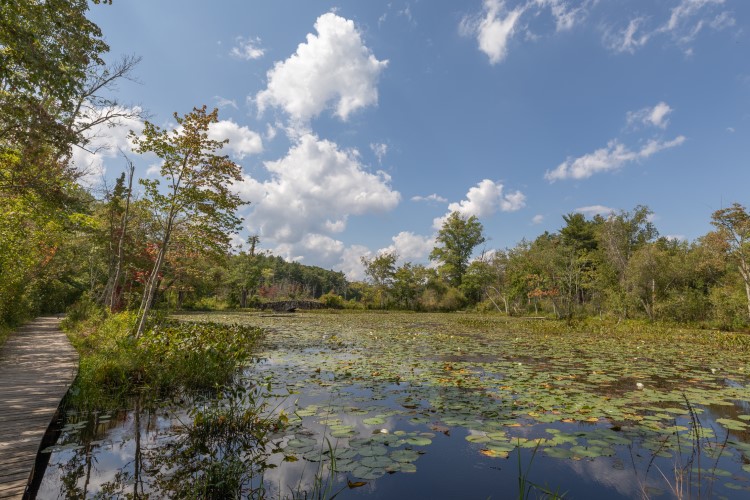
column 37, row 366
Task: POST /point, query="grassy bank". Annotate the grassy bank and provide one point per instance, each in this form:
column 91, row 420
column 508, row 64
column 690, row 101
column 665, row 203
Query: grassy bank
column 170, row 357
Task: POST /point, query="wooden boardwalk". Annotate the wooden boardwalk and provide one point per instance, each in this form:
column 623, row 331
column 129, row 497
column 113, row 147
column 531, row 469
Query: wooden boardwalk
column 37, row 365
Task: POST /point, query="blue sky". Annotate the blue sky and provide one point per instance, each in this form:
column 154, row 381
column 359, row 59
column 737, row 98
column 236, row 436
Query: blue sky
column 359, row 125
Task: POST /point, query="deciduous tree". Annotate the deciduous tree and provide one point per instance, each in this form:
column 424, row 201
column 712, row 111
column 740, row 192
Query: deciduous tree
column 733, row 224
column 457, row 239
column 197, row 193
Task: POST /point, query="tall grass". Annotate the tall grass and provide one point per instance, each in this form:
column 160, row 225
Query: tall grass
column 169, row 357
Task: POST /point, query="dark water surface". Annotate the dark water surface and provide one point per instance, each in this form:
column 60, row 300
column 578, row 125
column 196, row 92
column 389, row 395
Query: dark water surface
column 448, row 406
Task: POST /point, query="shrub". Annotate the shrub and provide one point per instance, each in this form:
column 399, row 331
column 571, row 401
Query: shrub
column 332, row 300
column 169, row 357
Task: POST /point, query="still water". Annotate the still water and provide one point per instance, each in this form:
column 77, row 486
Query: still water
column 444, row 406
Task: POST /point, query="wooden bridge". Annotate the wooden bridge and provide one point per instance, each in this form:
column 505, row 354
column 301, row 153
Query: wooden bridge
column 291, row 305
column 37, row 365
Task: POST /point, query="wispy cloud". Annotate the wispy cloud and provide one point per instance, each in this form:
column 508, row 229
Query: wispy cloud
column 380, row 150
column 223, row 102
column 685, row 22
column 434, row 197
column 630, row 38
column 247, row 48
column 592, row 210
column 612, row 157
column 656, row 116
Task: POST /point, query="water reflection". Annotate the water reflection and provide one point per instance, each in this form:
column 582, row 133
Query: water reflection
column 441, row 412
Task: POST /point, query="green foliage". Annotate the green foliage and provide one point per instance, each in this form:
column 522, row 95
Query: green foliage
column 733, row 224
column 196, row 200
column 252, row 276
column 332, row 300
column 47, row 48
column 225, row 446
column 380, row 270
column 169, row 357
column 457, row 239
column 208, row 304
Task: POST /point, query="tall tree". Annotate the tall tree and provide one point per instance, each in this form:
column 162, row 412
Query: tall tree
column 620, row 236
column 196, row 195
column 47, row 49
column 733, row 224
column 381, row 271
column 457, row 239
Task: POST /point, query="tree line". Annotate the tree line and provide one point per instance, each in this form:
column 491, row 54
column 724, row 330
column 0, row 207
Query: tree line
column 165, row 241
column 616, row 265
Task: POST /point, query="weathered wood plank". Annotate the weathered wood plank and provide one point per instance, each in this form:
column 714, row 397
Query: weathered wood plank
column 37, row 366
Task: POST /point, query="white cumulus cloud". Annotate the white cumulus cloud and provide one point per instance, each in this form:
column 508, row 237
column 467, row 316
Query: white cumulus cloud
column 494, row 29
column 410, row 247
column 612, row 157
column 313, row 190
column 242, row 140
column 350, row 262
column 333, row 68
column 483, row 200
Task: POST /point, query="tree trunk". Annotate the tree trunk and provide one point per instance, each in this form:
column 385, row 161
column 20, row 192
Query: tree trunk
column 745, row 272
column 113, row 297
column 151, row 285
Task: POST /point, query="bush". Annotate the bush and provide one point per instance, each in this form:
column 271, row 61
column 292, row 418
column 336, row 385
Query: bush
column 729, row 305
column 332, row 300
column 207, row 304
column 354, row 304
column 169, row 357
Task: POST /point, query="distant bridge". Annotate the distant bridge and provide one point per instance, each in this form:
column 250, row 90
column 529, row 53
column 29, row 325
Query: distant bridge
column 291, row 305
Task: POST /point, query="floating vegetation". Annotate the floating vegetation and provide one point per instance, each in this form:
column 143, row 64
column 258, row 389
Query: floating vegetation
column 405, row 398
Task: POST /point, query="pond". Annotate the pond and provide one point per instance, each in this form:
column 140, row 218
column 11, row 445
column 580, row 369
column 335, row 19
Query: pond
column 399, row 405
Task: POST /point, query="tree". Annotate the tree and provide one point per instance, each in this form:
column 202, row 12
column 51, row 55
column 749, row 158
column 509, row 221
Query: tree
column 620, row 236
column 579, row 233
column 196, row 195
column 457, row 239
column 409, row 282
column 117, row 219
column 733, row 224
column 381, row 270
column 47, row 49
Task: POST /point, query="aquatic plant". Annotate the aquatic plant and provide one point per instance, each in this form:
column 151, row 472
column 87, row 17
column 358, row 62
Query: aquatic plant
column 169, row 357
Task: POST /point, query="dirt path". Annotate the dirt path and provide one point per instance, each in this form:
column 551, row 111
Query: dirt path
column 37, row 365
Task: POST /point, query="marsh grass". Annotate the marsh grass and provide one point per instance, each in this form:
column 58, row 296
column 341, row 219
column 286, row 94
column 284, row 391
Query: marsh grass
column 323, row 487
column 526, row 487
column 222, row 450
column 687, row 479
column 168, row 358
